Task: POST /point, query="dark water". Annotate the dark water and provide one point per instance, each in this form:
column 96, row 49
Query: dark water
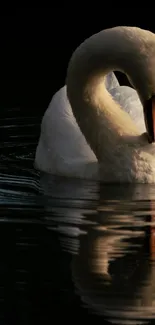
column 70, row 249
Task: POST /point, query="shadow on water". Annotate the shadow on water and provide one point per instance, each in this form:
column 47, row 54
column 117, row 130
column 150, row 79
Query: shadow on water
column 71, row 249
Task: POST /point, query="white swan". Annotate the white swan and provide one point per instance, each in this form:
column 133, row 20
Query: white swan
column 119, row 151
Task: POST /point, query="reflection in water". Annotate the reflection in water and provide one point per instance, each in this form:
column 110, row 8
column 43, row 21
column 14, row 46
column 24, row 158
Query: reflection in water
column 111, row 237
column 71, row 249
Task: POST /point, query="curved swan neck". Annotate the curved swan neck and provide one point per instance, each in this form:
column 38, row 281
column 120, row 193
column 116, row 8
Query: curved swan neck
column 127, row 49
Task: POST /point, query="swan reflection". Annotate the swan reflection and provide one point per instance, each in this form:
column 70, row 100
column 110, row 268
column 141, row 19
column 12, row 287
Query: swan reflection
column 111, row 238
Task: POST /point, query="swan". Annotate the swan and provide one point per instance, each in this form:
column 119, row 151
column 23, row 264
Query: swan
column 86, row 133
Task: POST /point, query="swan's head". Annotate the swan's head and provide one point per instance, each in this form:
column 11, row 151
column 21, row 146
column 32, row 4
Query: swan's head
column 149, row 115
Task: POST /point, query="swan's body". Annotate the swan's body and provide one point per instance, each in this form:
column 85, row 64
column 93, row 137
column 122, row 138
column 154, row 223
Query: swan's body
column 62, row 148
column 106, row 143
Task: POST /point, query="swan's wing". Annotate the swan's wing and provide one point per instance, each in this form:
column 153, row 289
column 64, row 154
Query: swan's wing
column 128, row 99
column 61, row 137
column 111, row 81
column 62, row 148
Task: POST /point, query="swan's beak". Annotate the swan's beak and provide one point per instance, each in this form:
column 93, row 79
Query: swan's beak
column 149, row 115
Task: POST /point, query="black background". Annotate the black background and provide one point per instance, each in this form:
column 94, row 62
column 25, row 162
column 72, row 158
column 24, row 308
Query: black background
column 36, row 44
column 35, row 47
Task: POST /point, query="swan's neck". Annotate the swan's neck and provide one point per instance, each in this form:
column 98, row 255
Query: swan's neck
column 101, row 120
